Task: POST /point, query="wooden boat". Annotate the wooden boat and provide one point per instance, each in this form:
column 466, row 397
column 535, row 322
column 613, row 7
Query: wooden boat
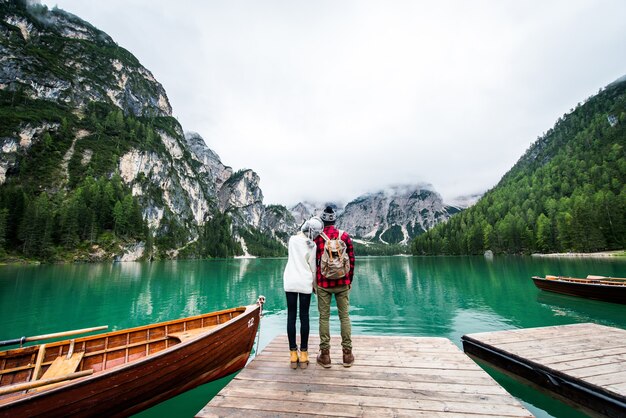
column 609, row 289
column 123, row 372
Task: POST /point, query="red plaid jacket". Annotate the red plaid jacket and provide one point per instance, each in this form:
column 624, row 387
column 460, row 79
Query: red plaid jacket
column 332, row 233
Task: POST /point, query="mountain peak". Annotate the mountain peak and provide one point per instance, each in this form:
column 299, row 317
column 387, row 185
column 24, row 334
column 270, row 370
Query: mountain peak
column 396, row 214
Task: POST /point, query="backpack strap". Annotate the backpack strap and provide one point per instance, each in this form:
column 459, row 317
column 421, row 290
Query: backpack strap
column 339, row 239
column 326, row 240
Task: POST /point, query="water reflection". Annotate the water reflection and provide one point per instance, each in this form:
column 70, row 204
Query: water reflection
column 143, row 306
column 580, row 309
column 414, row 296
column 243, row 266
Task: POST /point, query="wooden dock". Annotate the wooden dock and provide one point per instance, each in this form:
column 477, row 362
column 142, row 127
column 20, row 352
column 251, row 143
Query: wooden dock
column 582, row 363
column 391, row 376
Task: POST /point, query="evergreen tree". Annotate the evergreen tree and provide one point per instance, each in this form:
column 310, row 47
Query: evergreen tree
column 36, row 228
column 217, row 239
column 545, row 239
column 120, row 219
column 69, row 224
column 4, row 217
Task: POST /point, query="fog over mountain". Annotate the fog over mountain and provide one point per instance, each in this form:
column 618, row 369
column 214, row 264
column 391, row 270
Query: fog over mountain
column 451, row 92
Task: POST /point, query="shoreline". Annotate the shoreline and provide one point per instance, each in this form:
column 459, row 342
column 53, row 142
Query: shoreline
column 601, row 254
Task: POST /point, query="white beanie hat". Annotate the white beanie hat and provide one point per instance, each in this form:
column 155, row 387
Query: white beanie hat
column 312, row 227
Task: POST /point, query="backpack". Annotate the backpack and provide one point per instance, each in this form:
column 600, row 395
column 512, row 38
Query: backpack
column 335, row 263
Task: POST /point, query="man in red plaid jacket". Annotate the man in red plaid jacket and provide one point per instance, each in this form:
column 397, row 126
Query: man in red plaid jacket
column 326, row 288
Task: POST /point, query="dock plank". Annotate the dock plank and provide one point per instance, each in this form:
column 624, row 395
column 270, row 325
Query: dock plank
column 581, row 355
column 391, row 376
column 584, row 363
column 614, row 378
column 237, row 412
column 374, row 400
column 353, row 388
column 483, row 389
column 598, row 361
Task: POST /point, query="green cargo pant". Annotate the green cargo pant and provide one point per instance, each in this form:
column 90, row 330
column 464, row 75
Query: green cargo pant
column 342, row 297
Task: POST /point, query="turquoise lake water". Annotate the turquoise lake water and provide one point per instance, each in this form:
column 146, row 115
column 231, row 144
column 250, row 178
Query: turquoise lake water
column 411, row 296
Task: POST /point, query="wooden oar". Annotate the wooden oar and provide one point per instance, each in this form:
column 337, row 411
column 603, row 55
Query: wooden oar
column 612, row 281
column 38, row 383
column 616, row 279
column 48, row 336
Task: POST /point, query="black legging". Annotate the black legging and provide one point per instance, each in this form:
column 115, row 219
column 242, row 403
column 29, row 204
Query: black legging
column 292, row 306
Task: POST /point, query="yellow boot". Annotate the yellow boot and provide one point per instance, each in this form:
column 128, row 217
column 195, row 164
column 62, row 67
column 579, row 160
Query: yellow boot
column 304, row 359
column 293, row 358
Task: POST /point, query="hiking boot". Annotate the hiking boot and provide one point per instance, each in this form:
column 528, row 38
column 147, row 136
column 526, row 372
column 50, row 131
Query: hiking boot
column 323, row 358
column 348, row 357
column 293, row 358
column 304, row 359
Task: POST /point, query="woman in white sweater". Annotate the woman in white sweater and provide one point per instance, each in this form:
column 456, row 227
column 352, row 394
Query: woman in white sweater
column 299, row 279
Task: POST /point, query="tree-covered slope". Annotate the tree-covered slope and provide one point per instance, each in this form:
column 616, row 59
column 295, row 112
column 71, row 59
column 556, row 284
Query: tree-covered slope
column 567, row 193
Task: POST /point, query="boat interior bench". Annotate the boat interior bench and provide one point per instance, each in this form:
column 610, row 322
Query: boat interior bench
column 60, row 367
column 190, row 333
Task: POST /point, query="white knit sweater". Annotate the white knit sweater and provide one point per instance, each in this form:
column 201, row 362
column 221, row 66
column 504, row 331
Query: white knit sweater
column 300, row 270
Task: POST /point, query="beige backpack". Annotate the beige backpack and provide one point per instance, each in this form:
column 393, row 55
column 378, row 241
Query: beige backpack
column 335, row 263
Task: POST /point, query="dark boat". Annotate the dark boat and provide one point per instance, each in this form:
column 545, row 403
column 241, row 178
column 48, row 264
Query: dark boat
column 608, row 289
column 123, row 372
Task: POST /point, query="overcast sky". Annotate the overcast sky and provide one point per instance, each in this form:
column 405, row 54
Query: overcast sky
column 327, row 100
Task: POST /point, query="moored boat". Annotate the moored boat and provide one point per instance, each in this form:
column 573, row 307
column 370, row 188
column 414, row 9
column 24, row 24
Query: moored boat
column 608, row 289
column 123, row 372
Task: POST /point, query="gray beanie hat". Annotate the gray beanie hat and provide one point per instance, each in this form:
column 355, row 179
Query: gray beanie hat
column 329, row 214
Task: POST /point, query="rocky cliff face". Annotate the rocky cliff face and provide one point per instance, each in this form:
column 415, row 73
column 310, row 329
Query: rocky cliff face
column 57, row 63
column 280, row 222
column 395, row 215
column 56, row 56
column 241, row 195
column 209, row 165
column 169, row 183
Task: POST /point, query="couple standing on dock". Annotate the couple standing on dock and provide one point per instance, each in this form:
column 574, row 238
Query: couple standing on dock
column 321, row 261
